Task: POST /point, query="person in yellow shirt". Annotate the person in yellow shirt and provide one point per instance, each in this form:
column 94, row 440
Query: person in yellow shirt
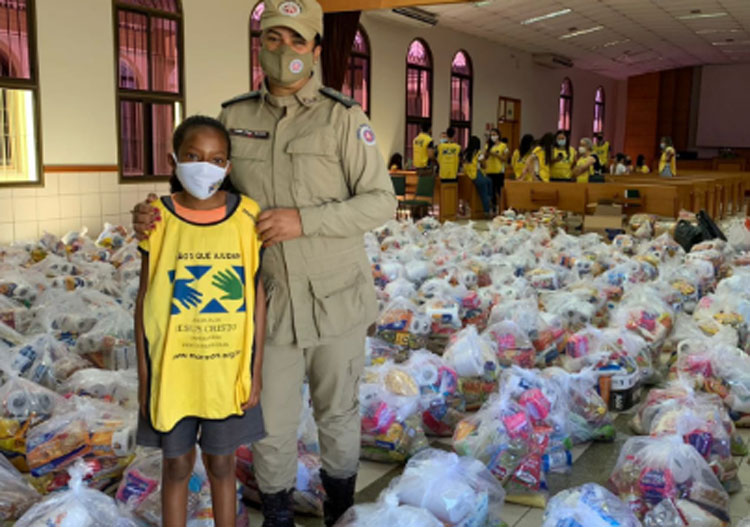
column 199, row 272
column 472, row 169
column 601, row 150
column 496, row 154
column 587, row 166
column 538, row 164
column 563, row 159
column 521, row 157
column 640, row 165
column 668, row 159
column 423, row 148
column 449, row 157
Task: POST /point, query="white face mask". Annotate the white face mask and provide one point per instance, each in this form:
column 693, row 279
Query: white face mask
column 581, row 150
column 200, row 179
column 494, row 138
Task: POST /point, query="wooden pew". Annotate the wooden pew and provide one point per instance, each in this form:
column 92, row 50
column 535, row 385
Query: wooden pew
column 523, row 195
column 661, row 200
column 692, row 194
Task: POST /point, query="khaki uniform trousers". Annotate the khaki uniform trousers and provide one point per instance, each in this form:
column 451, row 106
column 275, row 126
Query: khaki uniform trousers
column 334, row 371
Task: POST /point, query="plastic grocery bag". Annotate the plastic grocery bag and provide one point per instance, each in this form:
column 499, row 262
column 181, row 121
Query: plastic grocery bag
column 512, row 344
column 651, row 470
column 140, row 492
column 475, row 361
column 588, row 414
column 503, row 437
column 16, row 495
column 589, row 505
column 389, row 399
column 404, row 324
column 45, row 360
column 77, row 507
column 120, row 387
column 457, row 490
column 440, row 403
column 388, row 513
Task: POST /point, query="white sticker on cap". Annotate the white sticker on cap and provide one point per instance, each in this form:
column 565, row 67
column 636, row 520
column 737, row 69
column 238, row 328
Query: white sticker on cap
column 296, row 66
column 292, row 9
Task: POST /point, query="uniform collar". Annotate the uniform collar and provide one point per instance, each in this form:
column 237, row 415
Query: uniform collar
column 306, row 96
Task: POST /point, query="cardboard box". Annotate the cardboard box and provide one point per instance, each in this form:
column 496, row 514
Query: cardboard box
column 608, row 209
column 605, row 216
column 601, row 224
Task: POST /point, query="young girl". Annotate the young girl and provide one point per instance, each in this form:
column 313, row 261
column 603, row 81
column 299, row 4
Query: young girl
column 563, row 158
column 200, row 323
column 668, row 159
column 471, row 169
column 521, row 156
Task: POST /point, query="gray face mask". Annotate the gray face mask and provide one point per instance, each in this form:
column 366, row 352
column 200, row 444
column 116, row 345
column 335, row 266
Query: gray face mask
column 285, row 66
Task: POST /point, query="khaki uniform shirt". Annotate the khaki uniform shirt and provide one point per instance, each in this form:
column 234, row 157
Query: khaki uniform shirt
column 315, row 152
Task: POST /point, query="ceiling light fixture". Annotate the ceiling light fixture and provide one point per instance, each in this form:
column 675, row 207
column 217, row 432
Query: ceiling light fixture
column 697, row 16
column 731, row 43
column 714, row 31
column 582, row 32
column 615, row 43
column 554, row 14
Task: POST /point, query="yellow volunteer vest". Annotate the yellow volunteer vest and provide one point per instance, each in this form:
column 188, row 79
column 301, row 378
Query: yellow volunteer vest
column 471, row 168
column 644, row 170
column 448, row 158
column 420, row 146
column 543, row 165
column 672, row 163
column 199, row 315
column 519, row 164
column 494, row 165
column 584, row 178
column 562, row 169
column 602, row 152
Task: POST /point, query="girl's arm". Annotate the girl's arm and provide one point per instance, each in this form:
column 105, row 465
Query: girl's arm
column 529, row 173
column 140, row 338
column 260, row 339
column 583, row 167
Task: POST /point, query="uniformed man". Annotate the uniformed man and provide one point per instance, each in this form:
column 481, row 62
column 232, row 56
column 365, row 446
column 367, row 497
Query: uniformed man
column 308, row 156
column 448, row 157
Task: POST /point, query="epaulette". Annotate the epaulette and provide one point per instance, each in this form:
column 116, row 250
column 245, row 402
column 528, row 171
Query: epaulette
column 338, row 97
column 245, row 97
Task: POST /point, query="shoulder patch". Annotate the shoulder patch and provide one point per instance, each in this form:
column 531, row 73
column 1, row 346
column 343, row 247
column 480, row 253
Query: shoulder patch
column 338, row 97
column 240, row 98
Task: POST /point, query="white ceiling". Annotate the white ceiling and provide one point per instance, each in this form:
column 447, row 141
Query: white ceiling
column 637, row 36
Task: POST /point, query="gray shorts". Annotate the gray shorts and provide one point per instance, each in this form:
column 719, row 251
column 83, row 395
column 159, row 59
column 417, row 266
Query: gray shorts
column 215, row 437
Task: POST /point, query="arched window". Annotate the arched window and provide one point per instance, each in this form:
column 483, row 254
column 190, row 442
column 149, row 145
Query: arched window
column 418, row 91
column 357, row 80
column 150, row 93
column 256, row 72
column 461, row 97
column 19, row 98
column 599, row 110
column 566, row 106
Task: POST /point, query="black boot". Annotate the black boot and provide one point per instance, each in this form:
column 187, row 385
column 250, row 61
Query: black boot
column 339, row 496
column 277, row 509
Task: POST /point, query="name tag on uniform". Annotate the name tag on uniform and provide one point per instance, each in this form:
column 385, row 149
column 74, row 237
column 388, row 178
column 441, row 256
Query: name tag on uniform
column 250, row 134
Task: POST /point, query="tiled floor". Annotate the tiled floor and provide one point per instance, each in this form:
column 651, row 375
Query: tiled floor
column 597, row 463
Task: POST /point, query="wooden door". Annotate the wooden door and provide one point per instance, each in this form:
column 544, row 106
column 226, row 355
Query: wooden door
column 509, row 120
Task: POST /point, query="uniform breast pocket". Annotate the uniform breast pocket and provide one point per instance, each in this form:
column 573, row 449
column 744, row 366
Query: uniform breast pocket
column 318, row 176
column 251, row 161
